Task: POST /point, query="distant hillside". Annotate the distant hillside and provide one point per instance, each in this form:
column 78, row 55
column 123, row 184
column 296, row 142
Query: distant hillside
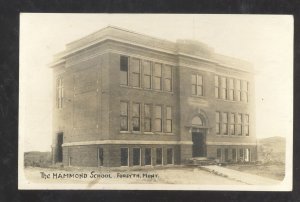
column 37, row 159
column 272, row 149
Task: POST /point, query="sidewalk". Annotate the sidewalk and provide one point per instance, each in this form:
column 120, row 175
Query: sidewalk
column 240, row 176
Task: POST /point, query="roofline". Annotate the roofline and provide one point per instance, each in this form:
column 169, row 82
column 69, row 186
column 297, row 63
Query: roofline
column 122, row 29
column 247, row 66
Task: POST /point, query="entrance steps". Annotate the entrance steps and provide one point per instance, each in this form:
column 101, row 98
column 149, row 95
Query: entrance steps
column 200, row 161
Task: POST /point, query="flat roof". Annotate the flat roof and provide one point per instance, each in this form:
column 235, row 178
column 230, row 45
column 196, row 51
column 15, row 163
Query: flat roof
column 185, row 47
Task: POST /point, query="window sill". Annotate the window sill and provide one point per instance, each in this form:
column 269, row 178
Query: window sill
column 199, row 96
column 148, row 133
column 145, row 133
column 125, row 132
column 232, row 135
column 232, row 101
column 147, row 89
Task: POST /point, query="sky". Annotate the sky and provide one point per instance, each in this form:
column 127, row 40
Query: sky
column 264, row 40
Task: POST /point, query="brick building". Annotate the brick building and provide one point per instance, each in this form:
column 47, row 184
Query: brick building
column 128, row 99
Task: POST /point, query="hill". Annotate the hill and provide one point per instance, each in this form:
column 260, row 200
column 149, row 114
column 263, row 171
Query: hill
column 272, row 150
column 37, row 159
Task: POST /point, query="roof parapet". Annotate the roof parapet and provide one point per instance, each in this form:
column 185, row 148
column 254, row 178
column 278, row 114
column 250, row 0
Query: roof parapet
column 186, row 46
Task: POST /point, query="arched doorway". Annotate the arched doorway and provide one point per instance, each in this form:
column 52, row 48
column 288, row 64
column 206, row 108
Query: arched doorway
column 198, row 137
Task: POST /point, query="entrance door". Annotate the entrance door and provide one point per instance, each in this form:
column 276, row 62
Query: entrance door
column 60, row 140
column 199, row 147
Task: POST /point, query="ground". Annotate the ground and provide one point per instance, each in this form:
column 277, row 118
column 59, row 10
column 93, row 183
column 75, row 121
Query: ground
column 275, row 170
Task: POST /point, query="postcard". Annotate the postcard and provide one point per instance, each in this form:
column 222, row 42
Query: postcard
column 156, row 102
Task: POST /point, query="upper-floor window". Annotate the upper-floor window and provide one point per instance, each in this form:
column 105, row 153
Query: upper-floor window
column 231, row 89
column 224, row 87
column 124, row 70
column 217, row 89
column 157, row 76
column 238, row 90
column 218, row 122
column 136, row 72
column 232, row 122
column 123, row 116
column 147, row 74
column 59, row 93
column 239, row 125
column 246, row 124
column 224, row 123
column 147, row 118
column 197, row 84
column 136, row 115
column 169, row 120
column 157, row 118
column 168, row 78
column 245, row 91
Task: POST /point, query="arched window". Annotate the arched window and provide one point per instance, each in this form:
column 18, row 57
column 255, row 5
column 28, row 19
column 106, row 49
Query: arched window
column 197, row 121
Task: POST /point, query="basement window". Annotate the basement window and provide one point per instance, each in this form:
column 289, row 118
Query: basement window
column 170, row 156
column 159, row 156
column 148, row 156
column 124, row 157
column 136, row 156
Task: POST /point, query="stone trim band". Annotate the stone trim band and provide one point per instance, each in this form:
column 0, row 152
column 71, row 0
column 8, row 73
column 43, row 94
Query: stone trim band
column 231, row 143
column 126, row 142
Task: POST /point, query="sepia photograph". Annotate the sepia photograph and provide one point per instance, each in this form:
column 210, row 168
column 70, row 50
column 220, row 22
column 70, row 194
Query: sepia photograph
column 156, row 102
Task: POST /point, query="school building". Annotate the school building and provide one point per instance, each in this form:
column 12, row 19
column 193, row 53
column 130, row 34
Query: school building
column 128, row 99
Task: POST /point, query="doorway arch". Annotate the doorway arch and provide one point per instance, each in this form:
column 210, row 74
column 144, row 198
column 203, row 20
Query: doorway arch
column 199, row 132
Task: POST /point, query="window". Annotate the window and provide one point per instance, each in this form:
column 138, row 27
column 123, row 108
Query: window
column 159, row 156
column 124, row 116
column 239, row 125
column 217, row 87
column 232, row 122
column 226, row 154
column 231, row 89
column 157, row 76
column 147, row 156
column 224, row 87
column 168, row 78
column 247, row 155
column 124, row 156
column 124, row 70
column 147, row 74
column 245, row 91
column 157, row 119
column 224, row 123
column 234, row 154
column 136, row 156
column 197, row 85
column 169, row 120
column 238, row 90
column 100, row 156
column 169, row 156
column 218, row 122
column 136, row 117
column 194, row 84
column 219, row 153
column 241, row 154
column 59, row 93
column 136, row 72
column 246, row 124
column 147, row 118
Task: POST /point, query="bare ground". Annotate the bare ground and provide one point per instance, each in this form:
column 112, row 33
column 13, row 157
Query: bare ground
column 274, row 171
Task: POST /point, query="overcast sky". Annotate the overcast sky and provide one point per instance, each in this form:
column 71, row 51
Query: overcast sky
column 264, row 40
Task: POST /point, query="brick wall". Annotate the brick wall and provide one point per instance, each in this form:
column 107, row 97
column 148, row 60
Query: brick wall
column 92, row 95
